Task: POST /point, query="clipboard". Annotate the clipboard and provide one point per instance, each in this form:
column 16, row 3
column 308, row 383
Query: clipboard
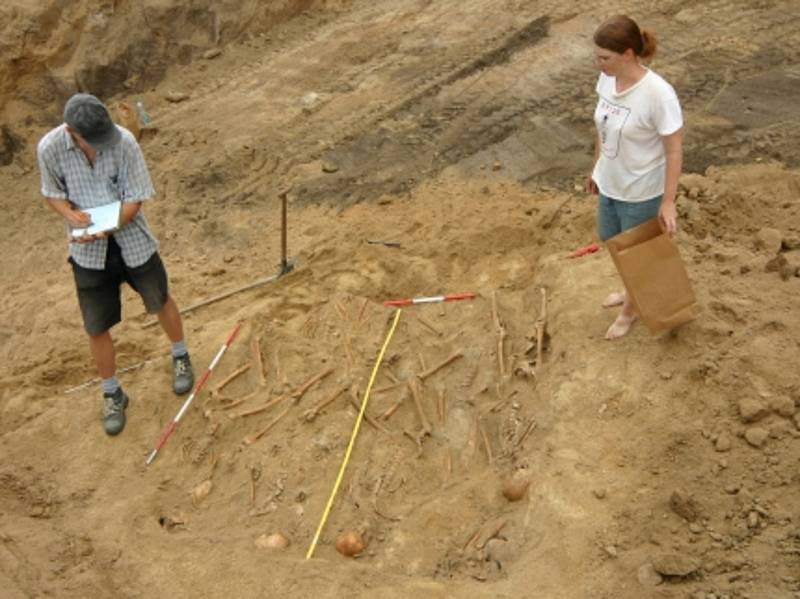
column 105, row 219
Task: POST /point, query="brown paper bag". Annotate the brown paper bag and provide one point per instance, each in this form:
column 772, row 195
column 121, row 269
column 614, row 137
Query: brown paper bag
column 652, row 270
column 129, row 118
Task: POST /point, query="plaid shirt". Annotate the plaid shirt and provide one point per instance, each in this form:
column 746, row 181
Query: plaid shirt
column 118, row 174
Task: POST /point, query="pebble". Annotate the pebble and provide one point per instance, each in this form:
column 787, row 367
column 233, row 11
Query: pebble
column 723, row 443
column 695, row 528
column 176, row 97
column 212, row 53
column 610, row 550
column 329, row 167
column 752, row 519
column 599, row 493
column 782, row 405
column 684, row 505
column 675, row 564
column 756, row 436
column 648, row 576
column 752, row 410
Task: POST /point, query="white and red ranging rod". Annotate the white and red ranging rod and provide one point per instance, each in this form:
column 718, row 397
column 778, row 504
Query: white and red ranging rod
column 173, row 425
column 429, row 300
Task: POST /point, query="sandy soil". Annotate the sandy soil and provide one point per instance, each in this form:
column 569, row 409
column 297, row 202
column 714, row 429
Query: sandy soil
column 662, row 467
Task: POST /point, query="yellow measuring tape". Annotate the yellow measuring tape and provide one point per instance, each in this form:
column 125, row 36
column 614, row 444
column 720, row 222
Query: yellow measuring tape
column 353, row 437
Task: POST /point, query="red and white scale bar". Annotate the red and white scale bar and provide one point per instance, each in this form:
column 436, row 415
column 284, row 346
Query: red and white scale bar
column 434, row 299
column 173, row 425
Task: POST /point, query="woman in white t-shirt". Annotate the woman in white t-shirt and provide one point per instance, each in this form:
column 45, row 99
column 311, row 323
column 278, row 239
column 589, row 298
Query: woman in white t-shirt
column 639, row 147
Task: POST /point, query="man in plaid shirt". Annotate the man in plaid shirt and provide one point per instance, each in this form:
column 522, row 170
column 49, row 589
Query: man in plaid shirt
column 86, row 162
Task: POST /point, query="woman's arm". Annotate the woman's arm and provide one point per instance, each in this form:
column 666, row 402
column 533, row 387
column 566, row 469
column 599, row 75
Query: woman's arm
column 673, row 149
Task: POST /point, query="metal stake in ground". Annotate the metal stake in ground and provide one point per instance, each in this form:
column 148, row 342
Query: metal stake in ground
column 286, row 266
column 173, row 425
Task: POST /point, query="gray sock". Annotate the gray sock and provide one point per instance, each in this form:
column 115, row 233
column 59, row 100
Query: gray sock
column 179, row 348
column 110, row 385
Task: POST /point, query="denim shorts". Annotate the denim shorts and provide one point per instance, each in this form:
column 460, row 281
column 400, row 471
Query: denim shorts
column 616, row 216
column 99, row 293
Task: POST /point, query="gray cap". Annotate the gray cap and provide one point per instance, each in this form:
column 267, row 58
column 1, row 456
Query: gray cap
column 89, row 117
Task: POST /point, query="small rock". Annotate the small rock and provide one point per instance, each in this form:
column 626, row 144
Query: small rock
column 176, row 97
column 756, row 436
column 752, row 410
column 610, row 550
column 675, row 564
column 329, row 167
column 648, row 577
column 498, row 550
column 769, row 240
column 497, row 166
column 599, row 493
column 723, row 443
column 752, row 519
column 212, row 53
column 695, row 528
column 782, row 405
column 684, row 505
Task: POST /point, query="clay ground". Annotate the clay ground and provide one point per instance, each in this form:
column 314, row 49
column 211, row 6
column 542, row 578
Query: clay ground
column 660, row 466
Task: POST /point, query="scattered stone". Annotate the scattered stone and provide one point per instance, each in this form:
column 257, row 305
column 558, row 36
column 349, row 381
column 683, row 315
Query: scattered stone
column 777, row 264
column 610, row 550
column 695, row 528
column 176, row 97
column 212, row 53
column 675, row 564
column 648, row 577
column 329, row 167
column 497, row 166
column 782, row 405
column 791, row 243
column 723, row 443
column 499, row 551
column 752, row 410
column 599, row 493
column 756, row 436
column 684, row 505
column 769, row 239
column 752, row 519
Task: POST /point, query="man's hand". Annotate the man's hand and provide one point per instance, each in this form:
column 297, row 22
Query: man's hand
column 77, row 219
column 88, row 238
column 668, row 217
column 591, row 186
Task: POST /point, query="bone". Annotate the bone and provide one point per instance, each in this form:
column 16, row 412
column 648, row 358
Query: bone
column 295, row 396
column 311, row 414
column 370, row 420
column 233, row 403
column 486, row 444
column 224, row 382
column 361, row 311
column 429, row 326
column 415, row 387
column 258, row 358
column 433, row 370
column 341, row 310
column 253, row 438
column 490, row 533
column 501, row 336
column 441, row 407
column 393, row 408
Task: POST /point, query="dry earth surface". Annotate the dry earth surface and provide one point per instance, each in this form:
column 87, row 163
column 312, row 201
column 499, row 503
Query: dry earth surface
column 659, row 467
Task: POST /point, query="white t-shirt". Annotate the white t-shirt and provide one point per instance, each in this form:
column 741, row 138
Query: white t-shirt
column 631, row 124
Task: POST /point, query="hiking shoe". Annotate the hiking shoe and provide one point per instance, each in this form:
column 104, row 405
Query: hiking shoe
column 114, row 411
column 182, row 375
